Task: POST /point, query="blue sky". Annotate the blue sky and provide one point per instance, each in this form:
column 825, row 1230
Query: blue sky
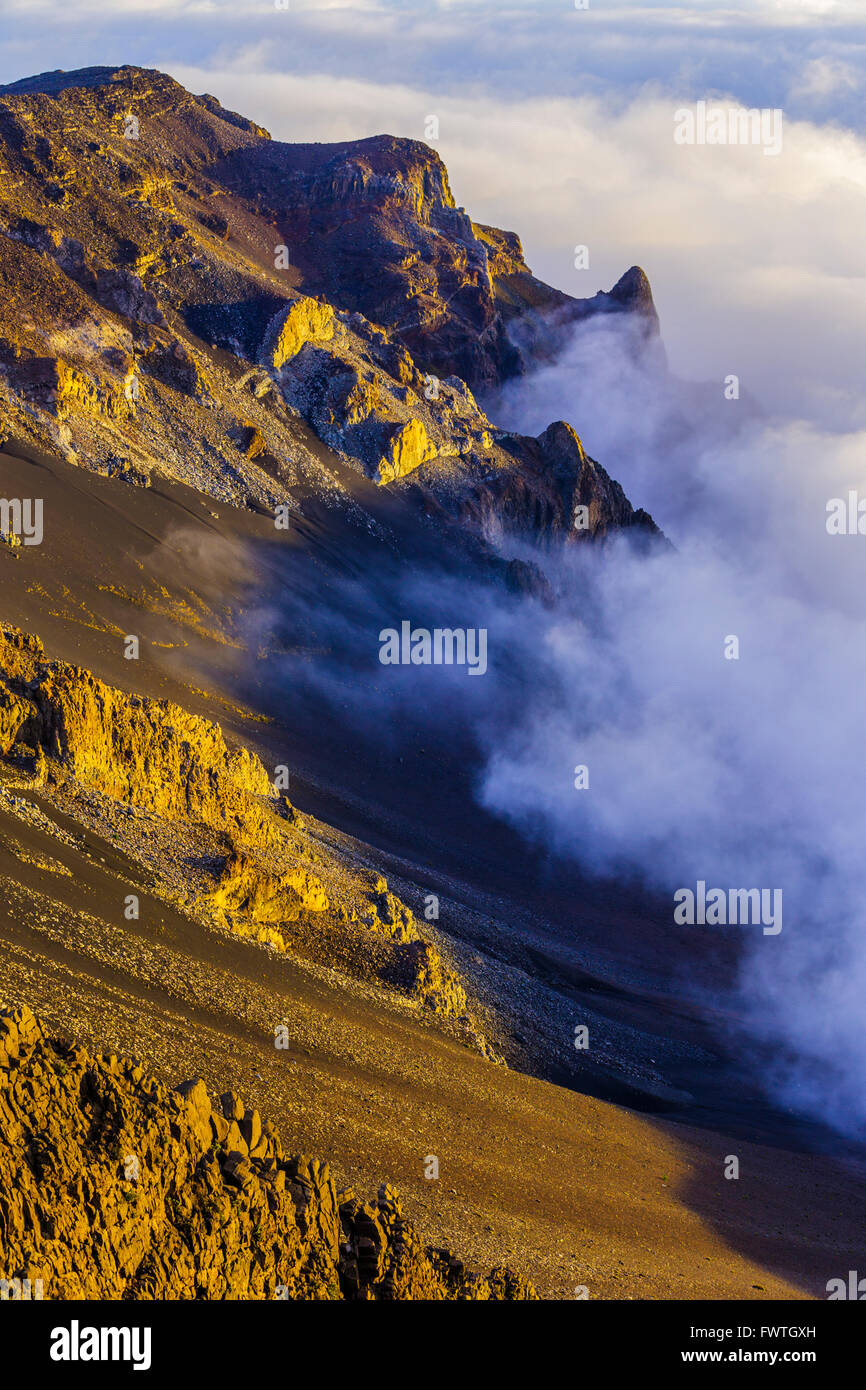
column 806, row 55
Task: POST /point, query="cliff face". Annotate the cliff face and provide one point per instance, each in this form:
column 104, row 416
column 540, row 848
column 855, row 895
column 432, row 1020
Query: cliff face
column 112, row 1186
column 147, row 753
column 180, row 294
column 373, row 227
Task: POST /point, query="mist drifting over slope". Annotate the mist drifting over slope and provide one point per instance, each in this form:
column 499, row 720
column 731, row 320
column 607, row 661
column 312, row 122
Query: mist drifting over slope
column 744, row 773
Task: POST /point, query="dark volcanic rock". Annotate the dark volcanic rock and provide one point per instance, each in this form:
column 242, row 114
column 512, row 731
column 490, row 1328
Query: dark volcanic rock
column 373, row 227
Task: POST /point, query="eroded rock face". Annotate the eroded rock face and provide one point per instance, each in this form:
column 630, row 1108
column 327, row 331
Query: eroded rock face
column 246, row 886
column 272, row 885
column 373, row 227
column 365, row 397
column 113, row 1186
column 589, row 501
column 407, row 449
column 175, row 288
column 147, row 753
column 305, row 321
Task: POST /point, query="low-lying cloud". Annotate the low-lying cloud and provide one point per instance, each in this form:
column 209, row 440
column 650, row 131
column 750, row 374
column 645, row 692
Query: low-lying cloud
column 712, row 689
column 738, row 772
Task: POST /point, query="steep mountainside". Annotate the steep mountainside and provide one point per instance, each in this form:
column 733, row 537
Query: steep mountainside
column 181, row 295
column 373, row 226
column 204, row 332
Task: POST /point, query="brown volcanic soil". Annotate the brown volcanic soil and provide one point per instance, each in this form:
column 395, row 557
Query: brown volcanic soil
column 573, row 1189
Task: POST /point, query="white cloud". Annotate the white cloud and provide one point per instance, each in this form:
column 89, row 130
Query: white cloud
column 752, row 261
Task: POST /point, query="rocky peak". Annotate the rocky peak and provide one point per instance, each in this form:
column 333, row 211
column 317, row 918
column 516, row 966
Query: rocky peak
column 129, row 87
column 632, row 292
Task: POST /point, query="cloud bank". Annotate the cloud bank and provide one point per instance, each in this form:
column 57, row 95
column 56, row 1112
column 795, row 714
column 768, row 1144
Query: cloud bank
column 742, row 773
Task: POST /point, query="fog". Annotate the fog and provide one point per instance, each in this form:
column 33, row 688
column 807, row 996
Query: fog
column 743, row 773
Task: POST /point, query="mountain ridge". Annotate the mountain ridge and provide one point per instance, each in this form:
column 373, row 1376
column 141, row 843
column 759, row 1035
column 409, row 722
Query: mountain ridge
column 149, row 240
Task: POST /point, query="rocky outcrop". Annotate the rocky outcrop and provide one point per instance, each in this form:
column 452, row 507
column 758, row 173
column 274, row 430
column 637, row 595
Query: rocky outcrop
column 406, row 450
column 546, row 491
column 415, row 966
column 591, row 500
column 113, row 1186
column 305, row 321
column 364, row 395
column 248, row 887
column 61, row 390
column 147, row 753
column 127, row 752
